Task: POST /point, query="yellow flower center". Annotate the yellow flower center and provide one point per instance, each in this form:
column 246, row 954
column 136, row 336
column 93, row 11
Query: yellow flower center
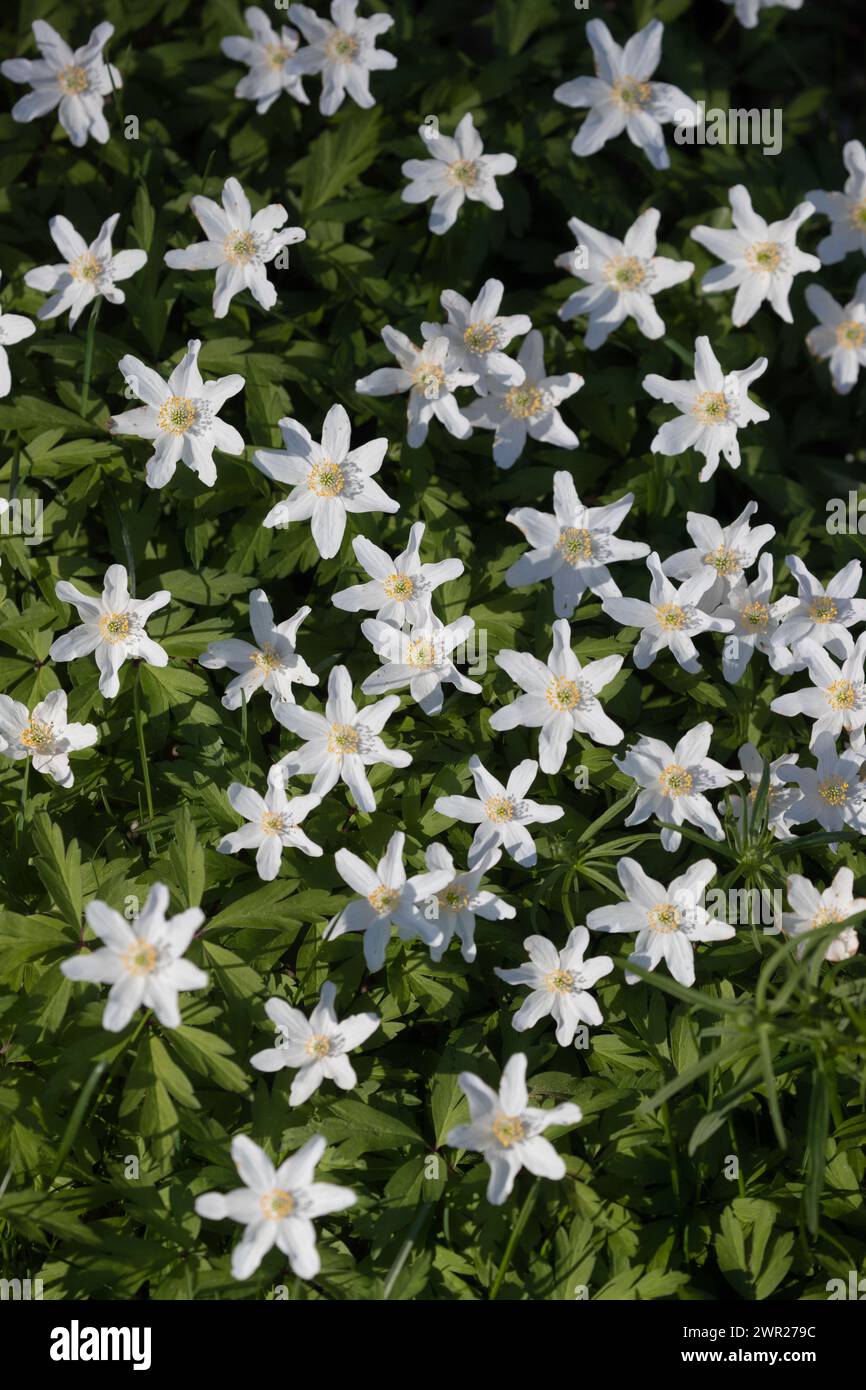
column 481, row 337
column 318, row 1045
column 671, row 617
column 711, row 408
column 428, row 379
column 675, row 780
column 453, row 899
column 823, row 610
column 273, row 822
column 625, row 273
column 384, row 899
column 37, row 736
column 663, row 918
column 277, row 1204
column 834, row 791
column 326, row 479
column 341, row 47
column 851, row 334
column 825, row 915
column 563, row 694
column 858, row 215
column 764, row 256
column 114, row 627
column 398, row 586
column 842, row 695
column 559, row 981
column 343, row 738
column 464, row 172
column 73, row 80
column 522, row 402
column 509, row 1130
column 140, row 958
column 422, row 653
column 755, row 615
column 499, row 809
column 629, row 91
column 176, row 415
column 723, row 561
column 240, row 248
column 85, row 267
column 575, row 545
column 266, row 660
column 276, row 54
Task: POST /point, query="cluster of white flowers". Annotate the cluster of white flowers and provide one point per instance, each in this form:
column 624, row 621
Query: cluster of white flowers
column 700, row 590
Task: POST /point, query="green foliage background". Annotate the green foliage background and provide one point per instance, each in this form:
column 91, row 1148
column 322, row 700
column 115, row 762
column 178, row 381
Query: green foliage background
column 763, row 1059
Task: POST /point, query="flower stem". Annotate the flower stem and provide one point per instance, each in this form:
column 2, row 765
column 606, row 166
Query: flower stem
column 21, row 818
column 88, row 352
column 516, row 1233
column 139, row 724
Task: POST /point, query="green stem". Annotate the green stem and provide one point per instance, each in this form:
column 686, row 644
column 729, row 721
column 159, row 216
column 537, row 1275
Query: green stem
column 139, row 725
column 88, row 352
column 21, row 818
column 516, row 1233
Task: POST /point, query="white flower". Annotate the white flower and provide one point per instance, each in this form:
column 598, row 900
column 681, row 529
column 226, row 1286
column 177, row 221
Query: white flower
column 780, row 798
column 527, row 409
column 836, row 700
column 755, row 624
column 86, row 272
column 459, row 169
column 561, row 698
column 760, row 259
column 748, row 11
column 400, row 590
column 45, row 736
column 422, row 659
column 343, row 51
column 621, row 278
column 559, row 984
column 317, row 1046
column 507, row 1131
column 823, row 615
column 387, row 898
column 847, row 211
column 277, row 1206
column 622, row 97
column 461, row 901
column 179, row 416
column 268, row 56
column 713, row 407
column 728, row 551
column 112, row 628
column 813, row 909
column 273, row 824
column 671, row 619
column 142, row 960
column 76, row 82
column 431, row 378
column 273, row 664
column 573, row 547
column 667, row 920
column 501, row 813
column 13, row 327
column 674, row 783
column 477, row 335
column 327, row 480
column 238, row 246
column 841, row 336
column 832, row 792
column 342, row 742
